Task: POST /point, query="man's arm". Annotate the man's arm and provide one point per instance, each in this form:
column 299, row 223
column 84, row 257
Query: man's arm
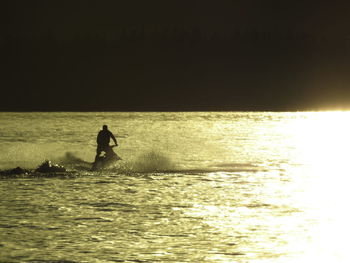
column 113, row 138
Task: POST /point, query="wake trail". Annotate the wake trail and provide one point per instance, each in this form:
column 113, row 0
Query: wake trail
column 150, row 162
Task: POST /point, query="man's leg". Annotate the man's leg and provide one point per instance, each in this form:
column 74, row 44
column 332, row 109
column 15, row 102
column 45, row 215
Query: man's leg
column 109, row 152
column 98, row 152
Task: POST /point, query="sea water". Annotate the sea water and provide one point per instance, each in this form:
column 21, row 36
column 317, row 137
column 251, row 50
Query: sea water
column 192, row 187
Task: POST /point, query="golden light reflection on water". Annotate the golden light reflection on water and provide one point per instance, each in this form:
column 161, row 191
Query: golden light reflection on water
column 322, row 146
column 317, row 230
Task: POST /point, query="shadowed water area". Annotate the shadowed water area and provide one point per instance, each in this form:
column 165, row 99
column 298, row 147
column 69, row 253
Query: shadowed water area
column 192, row 187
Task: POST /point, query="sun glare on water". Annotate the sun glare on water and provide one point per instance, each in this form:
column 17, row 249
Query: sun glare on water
column 322, row 143
column 305, row 218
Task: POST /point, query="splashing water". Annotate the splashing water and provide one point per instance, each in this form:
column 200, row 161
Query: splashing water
column 152, row 162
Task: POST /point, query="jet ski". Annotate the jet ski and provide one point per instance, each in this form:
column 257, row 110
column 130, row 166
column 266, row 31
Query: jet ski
column 105, row 160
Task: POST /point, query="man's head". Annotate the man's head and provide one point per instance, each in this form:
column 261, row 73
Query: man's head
column 105, row 127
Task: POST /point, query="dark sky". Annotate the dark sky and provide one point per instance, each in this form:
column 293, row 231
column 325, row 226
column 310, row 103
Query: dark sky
column 175, row 55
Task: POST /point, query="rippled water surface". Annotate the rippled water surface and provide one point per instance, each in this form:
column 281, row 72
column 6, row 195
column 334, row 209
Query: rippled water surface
column 192, row 187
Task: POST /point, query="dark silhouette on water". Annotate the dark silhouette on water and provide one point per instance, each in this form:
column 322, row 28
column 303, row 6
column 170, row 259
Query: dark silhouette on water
column 49, row 167
column 103, row 138
column 46, row 169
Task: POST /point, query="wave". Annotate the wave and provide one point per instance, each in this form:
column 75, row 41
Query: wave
column 150, row 162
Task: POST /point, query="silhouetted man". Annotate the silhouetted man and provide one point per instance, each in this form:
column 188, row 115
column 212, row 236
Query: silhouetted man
column 103, row 139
